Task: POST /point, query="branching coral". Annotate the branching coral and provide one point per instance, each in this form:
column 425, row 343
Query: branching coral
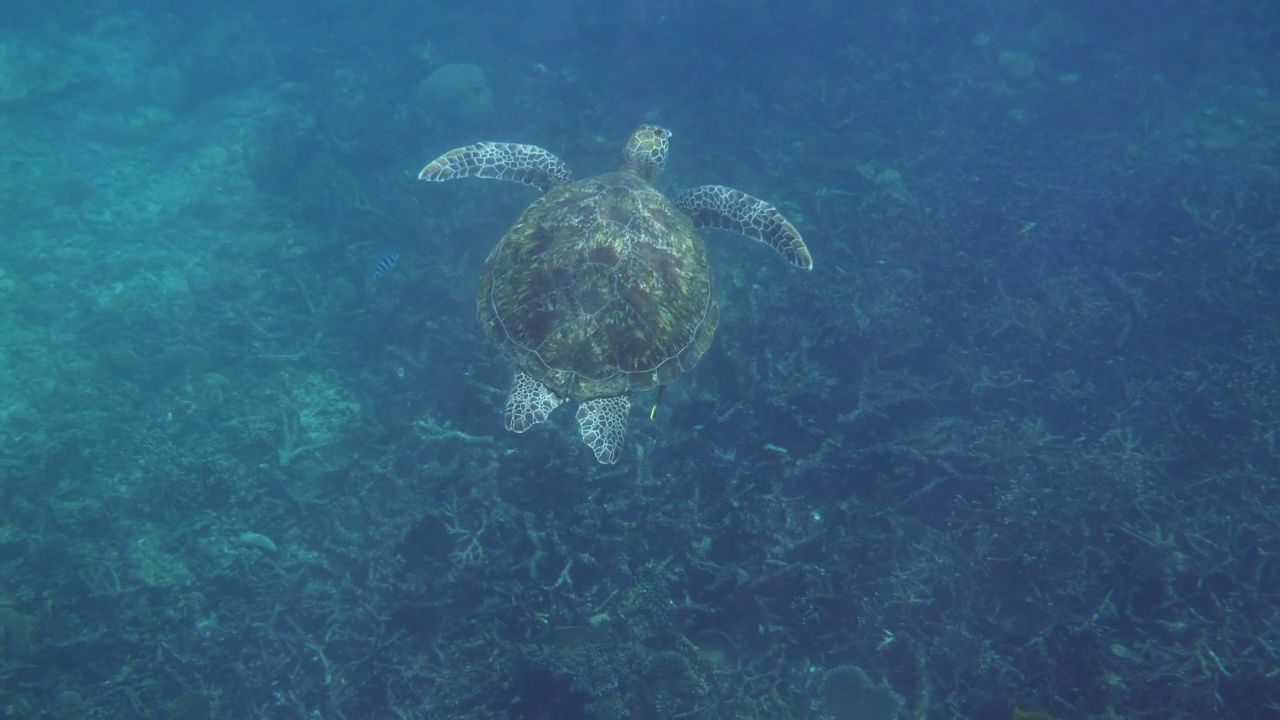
column 290, row 428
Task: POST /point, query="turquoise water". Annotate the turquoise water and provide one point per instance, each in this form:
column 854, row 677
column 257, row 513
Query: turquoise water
column 1010, row 444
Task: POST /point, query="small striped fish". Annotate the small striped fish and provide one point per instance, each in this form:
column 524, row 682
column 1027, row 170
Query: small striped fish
column 385, row 265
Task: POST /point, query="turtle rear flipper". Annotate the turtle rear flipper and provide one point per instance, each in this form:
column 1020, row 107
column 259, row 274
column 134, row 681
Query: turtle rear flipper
column 530, row 403
column 525, row 164
column 603, row 422
column 717, row 206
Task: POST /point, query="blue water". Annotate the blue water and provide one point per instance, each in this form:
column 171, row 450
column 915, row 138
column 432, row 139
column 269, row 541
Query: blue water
column 1008, row 451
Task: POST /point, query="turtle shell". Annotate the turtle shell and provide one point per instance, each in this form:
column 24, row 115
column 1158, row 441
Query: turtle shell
column 600, row 288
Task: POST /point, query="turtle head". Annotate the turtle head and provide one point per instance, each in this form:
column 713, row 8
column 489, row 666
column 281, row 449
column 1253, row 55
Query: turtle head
column 646, row 152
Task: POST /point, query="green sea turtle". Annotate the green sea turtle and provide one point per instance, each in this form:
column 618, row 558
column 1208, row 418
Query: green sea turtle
column 602, row 287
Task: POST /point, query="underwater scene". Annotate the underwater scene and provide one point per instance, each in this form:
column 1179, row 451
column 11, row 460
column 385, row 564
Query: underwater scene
column 640, row 360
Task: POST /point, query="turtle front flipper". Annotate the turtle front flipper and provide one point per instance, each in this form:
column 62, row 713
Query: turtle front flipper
column 526, row 164
column 716, row 206
column 603, row 422
column 530, row 403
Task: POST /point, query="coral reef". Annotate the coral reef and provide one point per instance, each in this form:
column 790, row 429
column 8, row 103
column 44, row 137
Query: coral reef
column 1012, row 445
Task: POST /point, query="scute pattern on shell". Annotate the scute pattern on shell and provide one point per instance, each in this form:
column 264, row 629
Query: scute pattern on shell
column 600, row 288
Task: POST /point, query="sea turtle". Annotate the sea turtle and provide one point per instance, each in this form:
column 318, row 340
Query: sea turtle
column 602, row 287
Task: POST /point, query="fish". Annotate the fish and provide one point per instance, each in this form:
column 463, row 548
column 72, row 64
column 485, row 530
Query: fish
column 385, row 265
